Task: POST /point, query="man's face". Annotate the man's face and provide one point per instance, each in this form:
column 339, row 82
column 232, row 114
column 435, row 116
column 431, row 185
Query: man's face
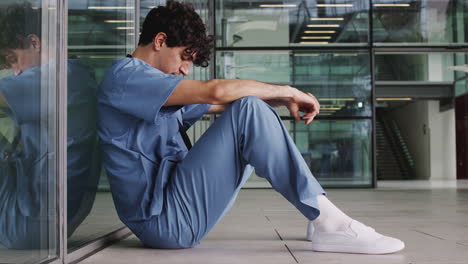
column 20, row 60
column 173, row 60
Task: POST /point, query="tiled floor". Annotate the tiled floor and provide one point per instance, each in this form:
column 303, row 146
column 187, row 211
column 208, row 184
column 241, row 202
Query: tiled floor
column 263, row 227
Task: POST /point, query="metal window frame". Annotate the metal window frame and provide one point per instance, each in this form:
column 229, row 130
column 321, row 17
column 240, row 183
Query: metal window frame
column 62, row 31
column 373, row 92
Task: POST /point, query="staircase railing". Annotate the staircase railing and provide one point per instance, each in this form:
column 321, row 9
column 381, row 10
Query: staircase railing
column 403, row 146
column 387, row 164
column 399, row 147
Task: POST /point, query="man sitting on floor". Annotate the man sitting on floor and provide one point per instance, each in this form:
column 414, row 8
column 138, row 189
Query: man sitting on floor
column 171, row 194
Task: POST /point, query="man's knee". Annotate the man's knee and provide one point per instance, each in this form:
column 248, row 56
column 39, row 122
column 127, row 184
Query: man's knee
column 250, row 108
column 249, row 102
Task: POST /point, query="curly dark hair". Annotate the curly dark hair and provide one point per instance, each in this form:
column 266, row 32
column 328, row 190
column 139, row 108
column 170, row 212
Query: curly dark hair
column 183, row 27
column 18, row 21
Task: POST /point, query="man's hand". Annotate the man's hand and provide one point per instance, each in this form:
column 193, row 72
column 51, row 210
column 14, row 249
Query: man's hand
column 303, row 102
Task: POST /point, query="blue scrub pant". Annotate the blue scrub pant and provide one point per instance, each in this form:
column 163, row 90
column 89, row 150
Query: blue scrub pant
column 206, row 183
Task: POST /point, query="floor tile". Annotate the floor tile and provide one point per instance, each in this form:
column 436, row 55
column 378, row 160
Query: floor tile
column 209, row 251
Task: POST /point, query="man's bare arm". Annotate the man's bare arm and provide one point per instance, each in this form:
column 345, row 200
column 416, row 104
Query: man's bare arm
column 219, row 91
column 224, row 91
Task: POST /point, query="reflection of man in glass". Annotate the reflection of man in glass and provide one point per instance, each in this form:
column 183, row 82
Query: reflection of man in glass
column 25, row 181
column 327, row 149
column 171, row 195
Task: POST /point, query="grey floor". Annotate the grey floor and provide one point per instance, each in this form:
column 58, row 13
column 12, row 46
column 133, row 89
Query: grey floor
column 432, row 218
column 101, row 220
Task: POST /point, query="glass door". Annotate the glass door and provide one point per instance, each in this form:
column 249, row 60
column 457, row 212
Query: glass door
column 28, row 131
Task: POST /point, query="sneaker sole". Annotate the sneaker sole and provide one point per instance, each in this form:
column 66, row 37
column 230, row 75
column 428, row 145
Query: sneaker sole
column 353, row 250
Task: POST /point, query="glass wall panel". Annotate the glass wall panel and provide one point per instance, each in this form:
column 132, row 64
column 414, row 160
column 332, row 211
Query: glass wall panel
column 417, row 69
column 419, row 66
column 98, row 33
column 461, row 73
column 338, row 152
column 28, row 219
column 420, row 22
column 341, row 82
column 254, row 23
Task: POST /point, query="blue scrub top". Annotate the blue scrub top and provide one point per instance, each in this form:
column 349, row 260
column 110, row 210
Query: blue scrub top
column 20, row 186
column 141, row 139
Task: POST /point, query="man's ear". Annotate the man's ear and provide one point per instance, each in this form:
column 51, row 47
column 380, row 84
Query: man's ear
column 35, row 41
column 159, row 40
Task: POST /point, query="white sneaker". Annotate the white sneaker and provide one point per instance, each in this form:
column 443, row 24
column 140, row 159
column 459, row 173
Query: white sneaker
column 358, row 238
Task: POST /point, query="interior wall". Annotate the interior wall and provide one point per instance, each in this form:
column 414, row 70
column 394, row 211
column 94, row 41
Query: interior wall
column 442, row 140
column 412, row 120
column 430, row 136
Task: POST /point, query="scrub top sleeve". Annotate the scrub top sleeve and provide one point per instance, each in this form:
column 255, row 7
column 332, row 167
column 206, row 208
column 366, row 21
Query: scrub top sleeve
column 191, row 113
column 146, row 91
